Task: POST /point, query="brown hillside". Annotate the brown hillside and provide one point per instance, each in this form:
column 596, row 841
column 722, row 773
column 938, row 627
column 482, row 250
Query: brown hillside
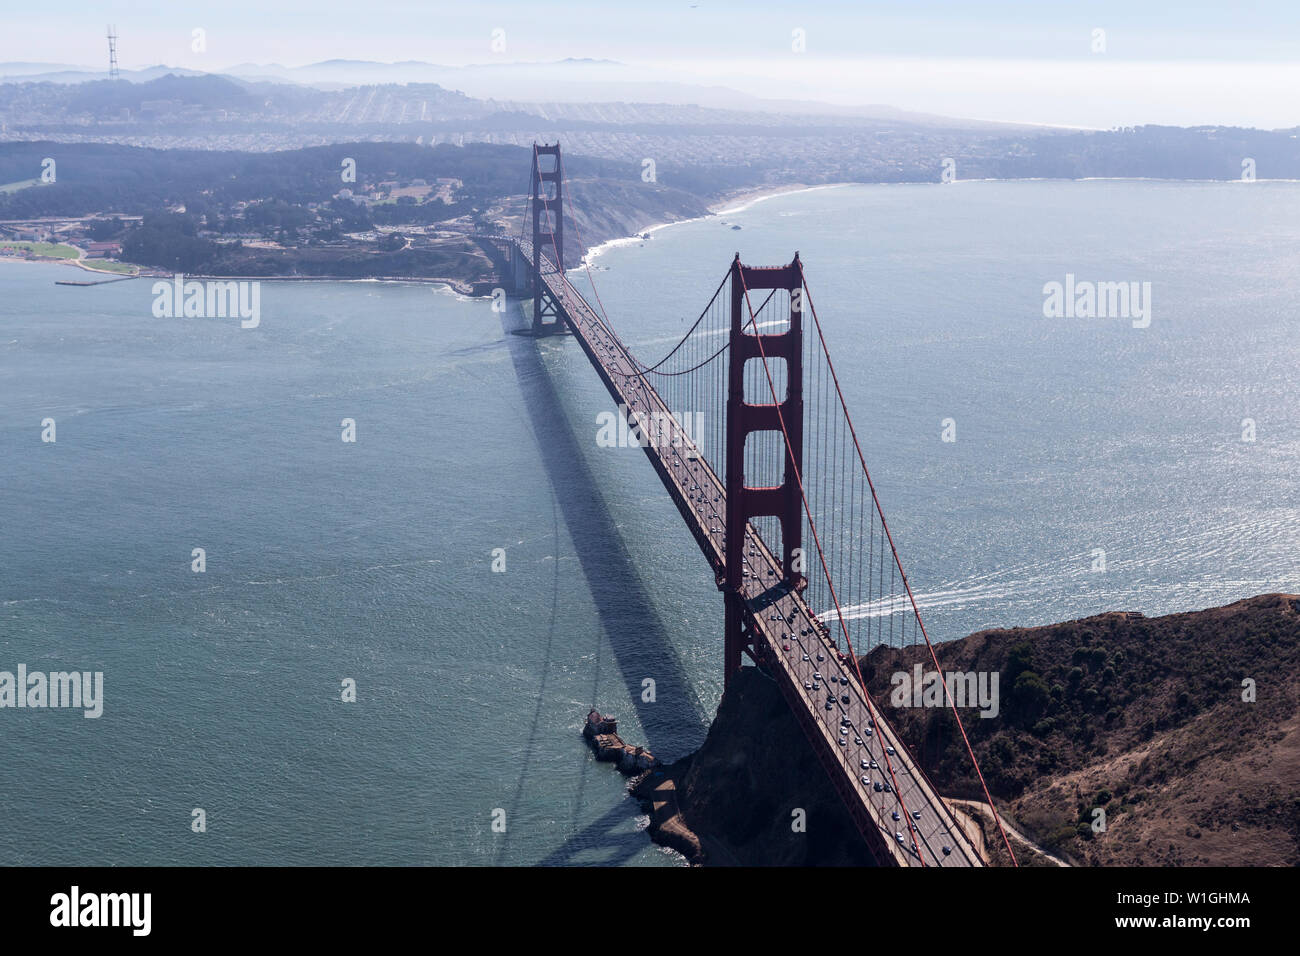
column 1143, row 717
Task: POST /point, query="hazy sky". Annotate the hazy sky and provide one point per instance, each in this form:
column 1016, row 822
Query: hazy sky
column 1186, row 62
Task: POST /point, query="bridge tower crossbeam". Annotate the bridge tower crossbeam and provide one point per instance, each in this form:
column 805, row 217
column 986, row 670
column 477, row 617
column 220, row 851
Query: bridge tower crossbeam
column 548, row 237
column 784, row 417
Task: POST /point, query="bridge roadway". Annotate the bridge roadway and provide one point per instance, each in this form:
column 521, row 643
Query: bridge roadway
column 862, row 755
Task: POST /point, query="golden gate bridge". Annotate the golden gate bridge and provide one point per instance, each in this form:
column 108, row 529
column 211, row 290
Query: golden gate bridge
column 775, row 489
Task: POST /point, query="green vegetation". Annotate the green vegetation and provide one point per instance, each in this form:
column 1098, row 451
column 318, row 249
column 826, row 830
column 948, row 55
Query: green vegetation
column 103, row 229
column 104, row 177
column 170, row 241
column 54, row 250
column 20, row 184
column 1074, row 693
column 199, row 207
column 107, row 265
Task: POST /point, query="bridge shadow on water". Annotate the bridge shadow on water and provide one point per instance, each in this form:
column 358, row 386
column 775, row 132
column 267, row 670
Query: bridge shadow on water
column 607, row 841
column 674, row 724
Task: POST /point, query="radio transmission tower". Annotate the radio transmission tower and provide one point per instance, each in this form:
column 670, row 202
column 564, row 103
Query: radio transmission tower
column 112, row 54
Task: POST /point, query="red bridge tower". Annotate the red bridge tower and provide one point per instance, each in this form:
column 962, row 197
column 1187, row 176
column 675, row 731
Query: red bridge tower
column 783, row 501
column 548, row 230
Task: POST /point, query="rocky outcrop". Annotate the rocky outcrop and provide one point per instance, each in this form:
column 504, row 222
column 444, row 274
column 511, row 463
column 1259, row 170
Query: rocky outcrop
column 754, row 793
column 601, row 732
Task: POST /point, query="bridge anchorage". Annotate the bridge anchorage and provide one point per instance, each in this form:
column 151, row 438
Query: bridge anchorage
column 759, row 448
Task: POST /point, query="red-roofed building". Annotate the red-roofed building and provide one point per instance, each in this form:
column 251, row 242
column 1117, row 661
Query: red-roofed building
column 101, row 250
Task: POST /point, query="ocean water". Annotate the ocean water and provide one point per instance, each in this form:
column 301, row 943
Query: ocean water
column 372, row 561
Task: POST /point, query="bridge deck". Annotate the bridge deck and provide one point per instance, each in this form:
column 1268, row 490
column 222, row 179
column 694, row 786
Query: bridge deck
column 816, row 680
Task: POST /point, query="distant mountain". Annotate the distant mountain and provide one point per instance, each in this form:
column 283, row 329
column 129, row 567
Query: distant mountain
column 55, row 73
column 577, row 80
column 211, row 92
column 518, row 85
column 27, row 69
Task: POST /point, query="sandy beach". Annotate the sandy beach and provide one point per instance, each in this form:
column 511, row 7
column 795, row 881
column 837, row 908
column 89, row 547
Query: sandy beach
column 728, row 205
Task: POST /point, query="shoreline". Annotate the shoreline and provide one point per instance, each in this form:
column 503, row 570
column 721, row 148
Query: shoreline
column 747, row 198
column 726, row 205
column 458, row 287
column 730, row 204
column 77, row 263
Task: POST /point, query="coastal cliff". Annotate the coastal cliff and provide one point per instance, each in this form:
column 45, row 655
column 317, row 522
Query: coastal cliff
column 1184, row 730
column 606, row 209
column 738, row 794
